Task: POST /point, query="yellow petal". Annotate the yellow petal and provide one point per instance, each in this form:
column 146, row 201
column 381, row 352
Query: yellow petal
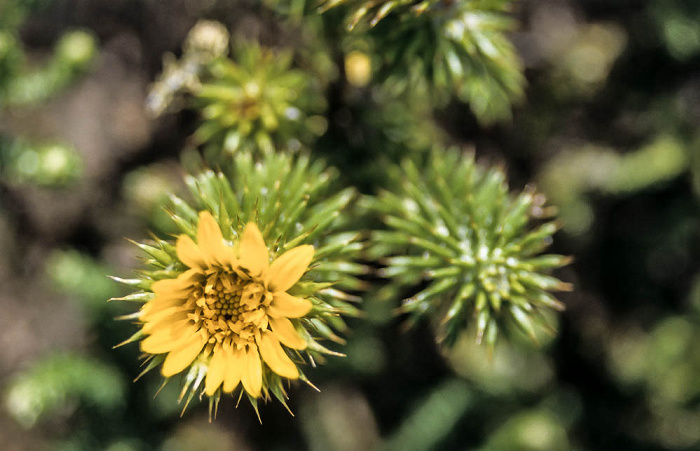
column 166, row 314
column 189, row 253
column 284, row 331
column 177, row 322
column 169, row 288
column 251, row 376
column 216, row 371
column 178, row 360
column 253, row 252
column 209, row 238
column 287, row 269
column 227, row 257
column 158, row 305
column 285, row 305
column 167, row 340
column 234, row 367
column 275, row 357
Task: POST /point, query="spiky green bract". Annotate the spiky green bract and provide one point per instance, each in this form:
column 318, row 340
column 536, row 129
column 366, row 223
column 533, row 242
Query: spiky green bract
column 457, row 237
column 293, row 201
column 256, row 101
column 374, row 11
column 453, row 49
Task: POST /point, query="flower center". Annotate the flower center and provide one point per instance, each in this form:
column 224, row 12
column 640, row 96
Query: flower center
column 228, row 306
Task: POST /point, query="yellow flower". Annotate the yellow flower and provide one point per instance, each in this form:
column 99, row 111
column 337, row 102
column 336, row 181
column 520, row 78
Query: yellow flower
column 230, row 310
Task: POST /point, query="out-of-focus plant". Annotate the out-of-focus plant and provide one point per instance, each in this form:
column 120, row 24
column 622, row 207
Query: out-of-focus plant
column 444, row 49
column 569, row 176
column 254, row 100
column 62, row 382
column 265, row 283
column 147, row 189
column 466, row 248
column 206, row 41
column 676, row 22
column 582, row 69
column 82, row 278
column 529, row 431
column 23, row 84
column 664, row 364
column 432, row 418
column 517, row 368
column 54, row 165
column 72, row 56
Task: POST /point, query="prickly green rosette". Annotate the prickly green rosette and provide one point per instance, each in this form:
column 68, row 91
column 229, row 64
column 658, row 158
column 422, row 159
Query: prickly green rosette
column 256, row 282
column 455, row 49
column 466, row 249
column 256, row 101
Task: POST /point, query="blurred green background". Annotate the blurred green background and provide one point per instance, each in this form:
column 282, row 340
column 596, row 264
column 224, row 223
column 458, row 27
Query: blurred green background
column 609, row 131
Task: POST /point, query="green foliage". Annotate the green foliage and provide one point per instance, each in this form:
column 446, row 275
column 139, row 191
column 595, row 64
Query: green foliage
column 53, row 165
column 433, row 418
column 572, row 175
column 21, row 85
column 81, row 277
column 13, row 13
column 453, row 226
column 530, row 431
column 61, row 382
column 25, row 85
column 447, row 49
column 376, row 10
column 517, row 368
column 72, row 56
column 663, row 364
column 676, row 22
column 147, row 188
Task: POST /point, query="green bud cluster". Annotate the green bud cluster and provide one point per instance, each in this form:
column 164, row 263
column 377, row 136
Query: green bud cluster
column 466, row 248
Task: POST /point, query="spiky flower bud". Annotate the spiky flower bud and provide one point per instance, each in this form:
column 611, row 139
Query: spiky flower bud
column 255, row 281
column 256, row 101
column 466, row 248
